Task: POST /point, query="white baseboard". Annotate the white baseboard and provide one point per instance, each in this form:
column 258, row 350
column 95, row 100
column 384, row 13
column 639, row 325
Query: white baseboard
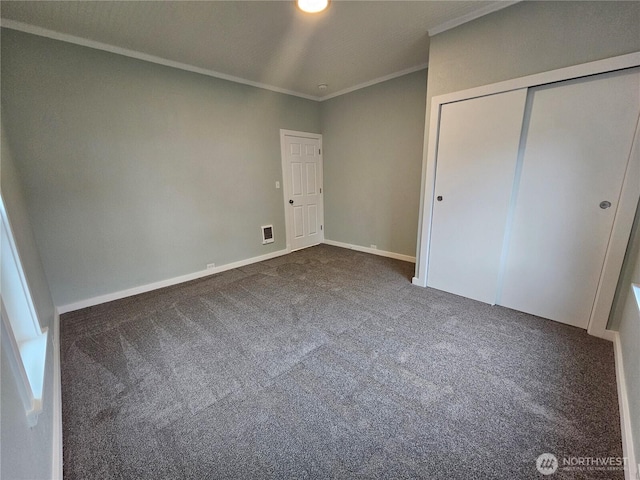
column 374, row 251
column 628, row 451
column 419, row 281
column 90, row 302
column 56, row 444
column 605, row 335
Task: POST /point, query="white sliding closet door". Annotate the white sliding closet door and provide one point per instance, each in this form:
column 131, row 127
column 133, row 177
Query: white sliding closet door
column 577, row 139
column 477, row 153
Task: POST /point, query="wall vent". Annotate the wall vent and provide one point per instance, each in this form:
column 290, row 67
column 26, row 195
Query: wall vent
column 267, row 234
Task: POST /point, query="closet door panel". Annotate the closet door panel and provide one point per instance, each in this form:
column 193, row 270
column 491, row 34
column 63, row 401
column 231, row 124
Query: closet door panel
column 576, row 145
column 477, row 153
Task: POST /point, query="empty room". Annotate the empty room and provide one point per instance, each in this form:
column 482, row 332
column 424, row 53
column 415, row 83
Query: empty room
column 320, row 239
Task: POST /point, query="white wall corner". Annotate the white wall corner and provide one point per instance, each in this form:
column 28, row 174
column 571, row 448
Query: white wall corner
column 631, row 471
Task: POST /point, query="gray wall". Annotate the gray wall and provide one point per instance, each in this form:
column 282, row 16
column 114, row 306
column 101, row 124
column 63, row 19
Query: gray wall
column 528, row 38
column 136, row 172
column 628, row 320
column 631, row 258
column 372, row 162
column 13, row 196
column 25, row 452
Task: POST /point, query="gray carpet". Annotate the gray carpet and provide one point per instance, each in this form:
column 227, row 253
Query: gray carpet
column 328, row 363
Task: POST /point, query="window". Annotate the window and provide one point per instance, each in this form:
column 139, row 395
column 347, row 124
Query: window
column 22, row 337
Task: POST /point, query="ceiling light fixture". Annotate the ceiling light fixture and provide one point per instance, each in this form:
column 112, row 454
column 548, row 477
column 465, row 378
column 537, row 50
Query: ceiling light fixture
column 312, row 6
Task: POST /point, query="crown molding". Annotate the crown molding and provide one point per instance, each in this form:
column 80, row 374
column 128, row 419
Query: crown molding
column 43, row 32
column 63, row 37
column 481, row 12
column 391, row 76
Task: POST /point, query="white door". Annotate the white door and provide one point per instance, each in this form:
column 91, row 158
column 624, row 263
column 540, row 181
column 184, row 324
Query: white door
column 476, row 163
column 302, row 172
column 577, row 138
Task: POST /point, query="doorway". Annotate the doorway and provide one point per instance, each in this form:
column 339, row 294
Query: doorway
column 302, row 188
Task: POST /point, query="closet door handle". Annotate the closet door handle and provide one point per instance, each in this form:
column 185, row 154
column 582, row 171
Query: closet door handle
column 604, row 205
column 439, row 198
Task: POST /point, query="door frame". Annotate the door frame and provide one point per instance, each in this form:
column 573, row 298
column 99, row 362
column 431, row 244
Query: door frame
column 285, row 186
column 626, row 206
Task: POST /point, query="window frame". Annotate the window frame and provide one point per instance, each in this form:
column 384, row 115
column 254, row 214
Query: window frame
column 26, row 352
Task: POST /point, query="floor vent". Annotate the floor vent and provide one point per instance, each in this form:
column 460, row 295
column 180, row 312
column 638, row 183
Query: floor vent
column 267, row 234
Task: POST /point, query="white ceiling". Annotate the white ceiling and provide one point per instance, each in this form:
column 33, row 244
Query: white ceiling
column 266, row 43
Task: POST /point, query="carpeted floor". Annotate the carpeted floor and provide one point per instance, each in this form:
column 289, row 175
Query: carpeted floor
column 328, row 363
